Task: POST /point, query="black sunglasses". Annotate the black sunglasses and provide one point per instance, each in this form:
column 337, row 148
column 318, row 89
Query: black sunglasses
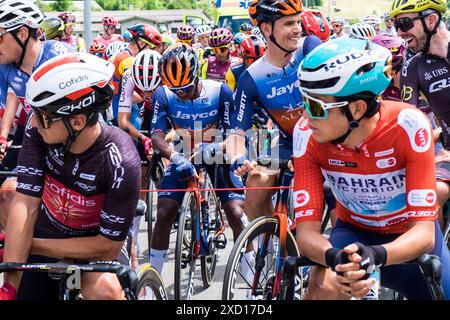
column 405, row 23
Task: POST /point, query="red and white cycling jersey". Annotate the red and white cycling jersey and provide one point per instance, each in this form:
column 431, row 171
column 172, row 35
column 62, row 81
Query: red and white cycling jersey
column 381, row 186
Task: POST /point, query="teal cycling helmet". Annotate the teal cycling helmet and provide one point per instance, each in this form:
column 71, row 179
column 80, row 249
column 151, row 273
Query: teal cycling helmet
column 346, row 67
column 239, row 37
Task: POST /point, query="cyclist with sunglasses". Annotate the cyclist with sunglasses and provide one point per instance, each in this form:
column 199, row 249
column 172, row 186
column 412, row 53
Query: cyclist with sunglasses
column 271, row 82
column 144, row 37
column 197, row 110
column 76, row 42
column 216, row 67
column 78, row 184
column 21, row 52
column 378, row 158
column 108, row 35
column 338, row 23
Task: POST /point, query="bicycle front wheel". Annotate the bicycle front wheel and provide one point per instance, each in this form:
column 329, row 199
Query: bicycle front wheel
column 256, row 248
column 150, row 284
column 184, row 249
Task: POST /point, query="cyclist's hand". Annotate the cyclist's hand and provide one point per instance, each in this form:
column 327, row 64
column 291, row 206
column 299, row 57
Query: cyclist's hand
column 241, row 167
column 335, row 257
column 147, row 143
column 8, row 292
column 3, row 147
column 443, row 156
column 368, row 257
column 184, row 167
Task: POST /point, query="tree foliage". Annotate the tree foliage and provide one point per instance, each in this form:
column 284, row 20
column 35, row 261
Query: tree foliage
column 61, row 5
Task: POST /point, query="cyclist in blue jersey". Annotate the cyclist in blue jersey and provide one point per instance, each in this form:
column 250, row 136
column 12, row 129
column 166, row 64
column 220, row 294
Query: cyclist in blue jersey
column 21, row 52
column 196, row 109
column 272, row 83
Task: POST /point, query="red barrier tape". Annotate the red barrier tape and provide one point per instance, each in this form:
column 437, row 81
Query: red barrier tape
column 186, row 190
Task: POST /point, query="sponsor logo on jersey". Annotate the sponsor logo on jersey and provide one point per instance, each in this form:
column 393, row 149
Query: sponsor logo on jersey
column 439, row 85
column 86, row 176
column 384, row 153
column 85, row 187
column 304, row 213
column 301, row 198
column 29, row 171
column 386, row 163
column 116, row 160
column 195, row 116
column 112, row 218
column 422, row 197
column 340, row 163
column 279, row 91
column 302, row 133
column 416, row 126
column 242, row 102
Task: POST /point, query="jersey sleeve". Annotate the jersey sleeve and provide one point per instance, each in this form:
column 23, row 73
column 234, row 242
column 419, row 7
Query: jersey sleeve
column 230, row 80
column 409, row 82
column 308, row 180
column 31, row 163
column 246, row 95
column 418, row 149
column 160, row 105
column 3, row 85
column 226, row 103
column 126, row 92
column 203, row 69
column 123, row 184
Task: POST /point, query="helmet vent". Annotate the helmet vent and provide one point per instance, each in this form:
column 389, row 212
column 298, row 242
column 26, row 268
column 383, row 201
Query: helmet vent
column 365, row 68
column 328, row 83
column 43, row 95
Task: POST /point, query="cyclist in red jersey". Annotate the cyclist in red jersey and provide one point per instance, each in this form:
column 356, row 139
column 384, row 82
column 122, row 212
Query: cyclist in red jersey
column 110, row 25
column 78, row 183
column 378, row 158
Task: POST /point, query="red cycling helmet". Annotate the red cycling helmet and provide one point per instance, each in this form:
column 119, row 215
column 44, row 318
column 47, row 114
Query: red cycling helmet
column 315, row 23
column 220, row 37
column 147, row 33
column 186, row 33
column 396, row 45
column 253, row 47
column 110, row 21
column 67, row 17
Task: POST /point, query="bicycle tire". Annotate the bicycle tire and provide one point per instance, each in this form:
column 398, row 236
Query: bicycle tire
column 154, row 177
column 208, row 269
column 185, row 245
column 149, row 277
column 257, row 227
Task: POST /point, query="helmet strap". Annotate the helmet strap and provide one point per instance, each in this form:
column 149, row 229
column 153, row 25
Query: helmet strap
column 429, row 33
column 352, row 124
column 272, row 38
column 23, row 46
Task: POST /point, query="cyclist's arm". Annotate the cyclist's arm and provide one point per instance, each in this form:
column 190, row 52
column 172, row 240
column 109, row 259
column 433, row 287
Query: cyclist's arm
column 421, row 199
column 240, row 117
column 9, row 115
column 125, row 105
column 24, row 207
column 203, row 69
column 81, row 45
column 159, row 124
column 409, row 82
column 308, row 195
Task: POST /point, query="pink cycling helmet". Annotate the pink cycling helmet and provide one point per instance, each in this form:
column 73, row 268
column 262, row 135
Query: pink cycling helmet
column 220, row 37
column 395, row 44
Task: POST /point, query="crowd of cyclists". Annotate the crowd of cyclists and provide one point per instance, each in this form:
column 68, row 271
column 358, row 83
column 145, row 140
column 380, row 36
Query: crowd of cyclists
column 363, row 114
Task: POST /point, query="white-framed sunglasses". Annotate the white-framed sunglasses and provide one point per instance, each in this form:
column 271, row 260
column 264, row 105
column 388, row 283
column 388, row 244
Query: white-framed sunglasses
column 318, row 109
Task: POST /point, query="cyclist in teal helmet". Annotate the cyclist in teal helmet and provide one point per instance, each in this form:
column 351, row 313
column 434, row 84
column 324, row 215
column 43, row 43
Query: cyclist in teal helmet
column 238, row 39
column 127, row 36
column 358, row 143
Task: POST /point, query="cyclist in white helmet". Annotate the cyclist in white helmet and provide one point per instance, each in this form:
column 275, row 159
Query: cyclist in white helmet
column 372, row 20
column 115, row 48
column 362, row 31
column 338, row 23
column 202, row 33
column 257, row 32
column 389, row 22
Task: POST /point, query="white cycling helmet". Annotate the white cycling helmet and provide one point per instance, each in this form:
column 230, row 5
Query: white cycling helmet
column 115, row 48
column 372, row 20
column 145, row 71
column 257, row 32
column 203, row 30
column 338, row 20
column 362, row 31
column 17, row 13
column 69, row 84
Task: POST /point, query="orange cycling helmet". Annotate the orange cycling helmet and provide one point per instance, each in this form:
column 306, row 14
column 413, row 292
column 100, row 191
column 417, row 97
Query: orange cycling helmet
column 270, row 10
column 179, row 66
column 315, row 23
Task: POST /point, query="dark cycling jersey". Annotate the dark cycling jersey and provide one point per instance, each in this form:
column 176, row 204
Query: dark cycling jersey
column 15, row 78
column 273, row 88
column 95, row 192
column 431, row 75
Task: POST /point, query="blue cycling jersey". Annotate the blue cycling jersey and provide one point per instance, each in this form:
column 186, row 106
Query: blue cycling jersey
column 11, row 76
column 273, row 88
column 198, row 118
